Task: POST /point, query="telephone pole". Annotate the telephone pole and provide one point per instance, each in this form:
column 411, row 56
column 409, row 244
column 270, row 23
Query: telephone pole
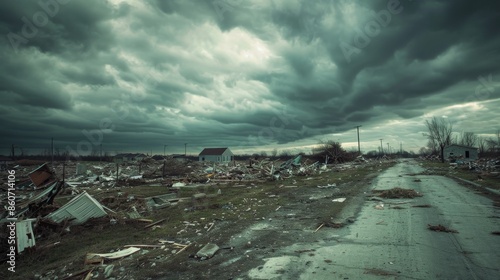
column 359, row 147
column 185, row 149
column 52, row 151
column 381, row 147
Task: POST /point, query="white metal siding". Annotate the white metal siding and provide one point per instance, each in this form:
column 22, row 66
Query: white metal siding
column 82, row 207
column 24, row 235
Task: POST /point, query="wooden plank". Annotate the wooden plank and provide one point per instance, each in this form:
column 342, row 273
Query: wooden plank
column 155, row 223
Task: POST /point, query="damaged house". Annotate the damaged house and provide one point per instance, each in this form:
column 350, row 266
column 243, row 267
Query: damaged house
column 459, row 152
column 216, row 155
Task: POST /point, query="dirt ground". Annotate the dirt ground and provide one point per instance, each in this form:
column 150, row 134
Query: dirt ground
column 249, row 222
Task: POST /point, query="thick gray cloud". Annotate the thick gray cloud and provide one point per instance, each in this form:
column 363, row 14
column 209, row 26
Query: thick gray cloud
column 137, row 75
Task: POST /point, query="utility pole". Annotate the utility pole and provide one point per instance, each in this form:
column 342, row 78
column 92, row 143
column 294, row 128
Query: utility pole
column 381, row 147
column 52, row 151
column 185, row 149
column 359, row 147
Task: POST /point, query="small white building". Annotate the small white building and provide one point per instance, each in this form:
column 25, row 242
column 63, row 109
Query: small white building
column 216, row 155
column 459, row 152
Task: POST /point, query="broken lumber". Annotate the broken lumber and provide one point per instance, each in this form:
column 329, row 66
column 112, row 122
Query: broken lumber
column 155, row 223
column 320, row 226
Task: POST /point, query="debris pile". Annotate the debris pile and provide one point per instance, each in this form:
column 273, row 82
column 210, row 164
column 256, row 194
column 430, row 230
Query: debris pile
column 65, row 199
column 441, row 228
column 397, row 193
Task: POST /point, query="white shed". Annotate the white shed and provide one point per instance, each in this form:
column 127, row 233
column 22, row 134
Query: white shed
column 459, row 152
column 216, row 155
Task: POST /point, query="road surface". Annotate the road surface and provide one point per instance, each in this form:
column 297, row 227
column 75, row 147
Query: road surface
column 395, row 243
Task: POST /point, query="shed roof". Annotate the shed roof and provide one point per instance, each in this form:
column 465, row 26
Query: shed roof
column 41, row 175
column 213, row 151
column 461, row 146
column 81, row 208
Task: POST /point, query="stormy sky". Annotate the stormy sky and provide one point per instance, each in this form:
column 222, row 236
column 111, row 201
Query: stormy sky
column 252, row 75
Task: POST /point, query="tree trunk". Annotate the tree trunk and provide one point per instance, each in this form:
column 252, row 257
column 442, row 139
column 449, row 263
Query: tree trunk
column 442, row 153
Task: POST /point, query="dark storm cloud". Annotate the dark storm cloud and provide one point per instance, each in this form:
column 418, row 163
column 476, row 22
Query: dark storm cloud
column 239, row 73
column 57, row 26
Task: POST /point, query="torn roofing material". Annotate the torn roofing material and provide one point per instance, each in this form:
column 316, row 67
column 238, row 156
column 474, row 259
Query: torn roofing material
column 42, row 175
column 81, row 208
column 213, row 151
column 31, row 206
column 97, row 258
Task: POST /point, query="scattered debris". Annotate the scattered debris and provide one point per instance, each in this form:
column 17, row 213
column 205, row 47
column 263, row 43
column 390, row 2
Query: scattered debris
column 328, row 186
column 207, row 251
column 92, row 258
column 422, row 206
column 320, row 226
column 78, row 210
column 155, row 223
column 183, row 248
column 304, row 251
column 342, row 199
column 397, row 193
column 397, row 207
column 379, row 206
column 330, row 225
column 441, row 228
column 417, row 180
column 211, row 226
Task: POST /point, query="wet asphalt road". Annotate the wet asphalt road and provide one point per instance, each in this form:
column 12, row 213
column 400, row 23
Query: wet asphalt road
column 396, row 244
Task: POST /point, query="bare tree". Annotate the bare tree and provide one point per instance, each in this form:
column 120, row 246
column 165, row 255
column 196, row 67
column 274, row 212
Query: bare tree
column 481, row 143
column 440, row 132
column 432, row 147
column 468, row 139
column 494, row 144
column 424, row 151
